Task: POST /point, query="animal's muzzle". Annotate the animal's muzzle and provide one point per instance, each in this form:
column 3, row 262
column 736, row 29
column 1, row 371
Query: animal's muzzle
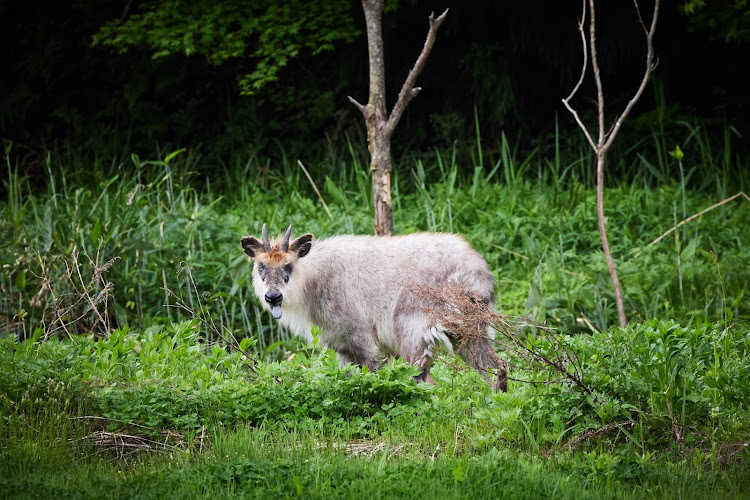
column 274, row 298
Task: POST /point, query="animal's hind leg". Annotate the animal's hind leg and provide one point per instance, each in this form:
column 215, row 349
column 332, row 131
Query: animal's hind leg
column 417, row 342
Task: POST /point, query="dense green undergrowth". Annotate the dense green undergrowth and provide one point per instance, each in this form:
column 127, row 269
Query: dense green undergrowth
column 123, row 286
column 164, row 411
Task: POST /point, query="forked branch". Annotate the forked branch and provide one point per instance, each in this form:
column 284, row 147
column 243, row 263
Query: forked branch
column 566, row 101
column 606, row 138
column 379, row 122
column 408, row 91
column 650, row 66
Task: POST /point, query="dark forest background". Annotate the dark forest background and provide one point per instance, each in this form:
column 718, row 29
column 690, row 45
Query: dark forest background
column 497, row 66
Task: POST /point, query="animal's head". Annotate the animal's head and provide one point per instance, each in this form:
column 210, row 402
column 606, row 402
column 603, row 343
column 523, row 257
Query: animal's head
column 274, row 264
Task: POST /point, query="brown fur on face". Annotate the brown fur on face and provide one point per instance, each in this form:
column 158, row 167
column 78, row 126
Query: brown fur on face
column 274, row 265
column 275, row 257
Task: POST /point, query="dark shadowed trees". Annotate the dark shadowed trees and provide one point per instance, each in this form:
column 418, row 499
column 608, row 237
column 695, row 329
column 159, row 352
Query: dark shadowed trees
column 267, row 33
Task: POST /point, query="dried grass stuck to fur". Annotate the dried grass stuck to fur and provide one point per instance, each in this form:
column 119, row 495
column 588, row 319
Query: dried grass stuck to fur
column 466, row 317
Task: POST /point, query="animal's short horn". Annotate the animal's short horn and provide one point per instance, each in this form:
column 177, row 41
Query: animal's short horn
column 266, row 243
column 285, row 241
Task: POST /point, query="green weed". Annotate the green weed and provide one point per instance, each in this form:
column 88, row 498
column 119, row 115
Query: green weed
column 139, row 269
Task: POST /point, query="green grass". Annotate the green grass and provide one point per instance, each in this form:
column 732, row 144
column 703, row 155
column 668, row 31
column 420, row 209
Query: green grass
column 163, row 414
column 249, row 464
column 532, row 218
column 119, row 280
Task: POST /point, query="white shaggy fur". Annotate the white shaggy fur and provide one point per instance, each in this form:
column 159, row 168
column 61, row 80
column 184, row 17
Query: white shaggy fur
column 360, row 290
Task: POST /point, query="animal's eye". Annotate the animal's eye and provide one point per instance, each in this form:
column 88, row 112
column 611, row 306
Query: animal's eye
column 261, row 267
column 288, row 269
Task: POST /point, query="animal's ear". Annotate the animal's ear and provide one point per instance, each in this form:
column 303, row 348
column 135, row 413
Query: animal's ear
column 301, row 245
column 252, row 246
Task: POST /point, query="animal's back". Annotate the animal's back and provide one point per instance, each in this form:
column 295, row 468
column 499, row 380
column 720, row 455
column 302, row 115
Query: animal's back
column 362, row 282
column 366, row 265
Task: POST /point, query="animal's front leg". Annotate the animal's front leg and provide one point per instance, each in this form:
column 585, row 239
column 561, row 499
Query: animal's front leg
column 360, row 349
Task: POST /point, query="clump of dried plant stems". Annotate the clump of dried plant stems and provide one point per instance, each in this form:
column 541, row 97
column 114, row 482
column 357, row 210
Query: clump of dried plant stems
column 76, row 300
column 537, row 348
column 202, row 314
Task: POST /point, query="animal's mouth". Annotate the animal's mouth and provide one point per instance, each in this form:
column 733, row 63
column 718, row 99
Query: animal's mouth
column 274, row 298
column 276, row 311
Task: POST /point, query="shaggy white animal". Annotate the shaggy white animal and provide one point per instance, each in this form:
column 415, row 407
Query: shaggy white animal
column 362, row 291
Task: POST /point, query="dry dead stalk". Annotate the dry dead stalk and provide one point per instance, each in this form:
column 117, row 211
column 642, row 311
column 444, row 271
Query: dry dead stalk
column 695, row 216
column 207, row 320
column 78, row 300
column 307, row 174
column 607, row 136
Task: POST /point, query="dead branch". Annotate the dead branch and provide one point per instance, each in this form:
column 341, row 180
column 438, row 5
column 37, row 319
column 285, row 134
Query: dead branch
column 129, row 443
column 307, row 174
column 607, row 137
column 360, row 107
column 500, row 247
column 103, row 294
column 408, row 91
column 695, row 216
column 587, row 436
column 88, row 296
column 566, row 101
column 650, row 66
column 584, row 320
column 459, row 311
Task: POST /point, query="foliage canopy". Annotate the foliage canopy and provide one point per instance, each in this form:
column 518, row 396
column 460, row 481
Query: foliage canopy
column 267, row 32
column 727, row 20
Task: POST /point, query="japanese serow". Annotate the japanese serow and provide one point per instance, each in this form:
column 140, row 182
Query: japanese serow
column 364, row 294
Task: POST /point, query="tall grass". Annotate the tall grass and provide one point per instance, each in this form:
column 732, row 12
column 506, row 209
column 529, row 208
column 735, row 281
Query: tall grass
column 152, row 404
column 273, row 468
column 530, row 214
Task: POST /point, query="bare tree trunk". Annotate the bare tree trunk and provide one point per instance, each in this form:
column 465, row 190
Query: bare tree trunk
column 605, row 139
column 375, row 117
column 605, row 240
column 379, row 124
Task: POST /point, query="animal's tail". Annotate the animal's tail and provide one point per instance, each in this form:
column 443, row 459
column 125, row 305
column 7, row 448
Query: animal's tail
column 478, row 353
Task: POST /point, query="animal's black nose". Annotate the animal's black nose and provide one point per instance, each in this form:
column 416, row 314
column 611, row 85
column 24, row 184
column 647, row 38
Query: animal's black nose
column 274, row 298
